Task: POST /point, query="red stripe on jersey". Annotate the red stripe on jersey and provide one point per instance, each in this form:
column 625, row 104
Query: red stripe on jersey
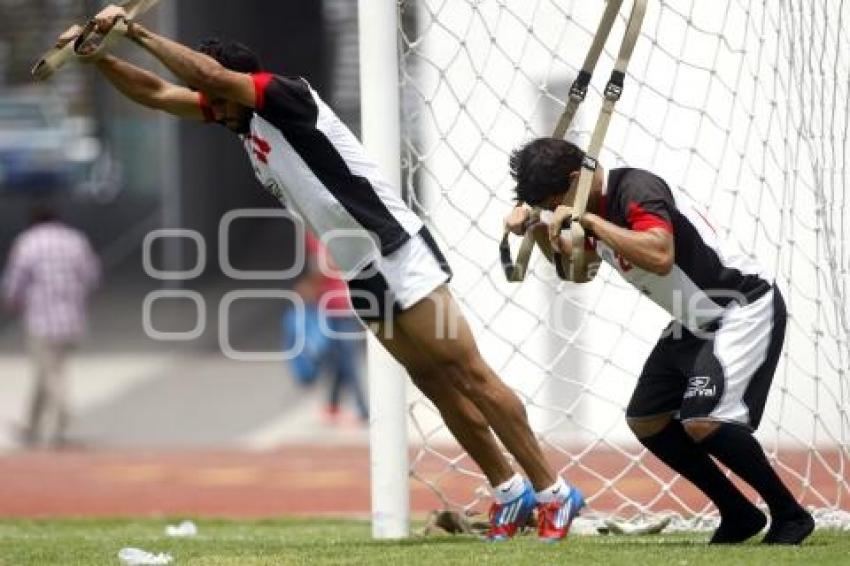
column 641, row 220
column 261, row 83
column 206, row 109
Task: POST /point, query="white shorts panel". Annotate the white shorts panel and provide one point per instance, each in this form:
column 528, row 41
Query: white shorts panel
column 412, row 272
column 741, row 345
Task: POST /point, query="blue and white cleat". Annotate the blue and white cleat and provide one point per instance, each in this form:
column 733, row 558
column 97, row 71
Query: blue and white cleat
column 506, row 519
column 554, row 518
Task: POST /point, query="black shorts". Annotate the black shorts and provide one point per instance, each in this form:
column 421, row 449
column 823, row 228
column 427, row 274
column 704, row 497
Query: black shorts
column 724, row 375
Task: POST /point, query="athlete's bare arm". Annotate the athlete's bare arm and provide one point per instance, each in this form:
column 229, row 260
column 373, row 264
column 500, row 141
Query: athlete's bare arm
column 195, row 69
column 652, row 250
column 148, row 89
column 141, row 86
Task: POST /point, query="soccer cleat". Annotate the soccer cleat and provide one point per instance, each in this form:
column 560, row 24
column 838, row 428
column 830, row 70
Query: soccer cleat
column 554, row 518
column 507, row 518
column 793, row 530
column 739, row 526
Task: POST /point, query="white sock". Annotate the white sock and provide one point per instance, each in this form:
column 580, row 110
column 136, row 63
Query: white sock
column 558, row 491
column 509, row 490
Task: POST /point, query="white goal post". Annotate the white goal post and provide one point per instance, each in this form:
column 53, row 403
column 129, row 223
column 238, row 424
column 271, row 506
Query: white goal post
column 380, row 110
column 744, row 105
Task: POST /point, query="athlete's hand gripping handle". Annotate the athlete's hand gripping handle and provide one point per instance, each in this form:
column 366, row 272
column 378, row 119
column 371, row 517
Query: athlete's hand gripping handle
column 518, row 222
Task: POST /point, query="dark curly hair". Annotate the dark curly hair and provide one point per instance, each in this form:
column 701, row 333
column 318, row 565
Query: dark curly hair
column 231, row 55
column 541, row 168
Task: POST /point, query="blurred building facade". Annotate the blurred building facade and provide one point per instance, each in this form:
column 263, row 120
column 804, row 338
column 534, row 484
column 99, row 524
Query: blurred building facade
column 130, row 389
column 172, row 174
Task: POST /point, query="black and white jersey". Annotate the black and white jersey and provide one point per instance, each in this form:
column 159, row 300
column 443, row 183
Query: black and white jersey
column 709, row 274
column 307, row 158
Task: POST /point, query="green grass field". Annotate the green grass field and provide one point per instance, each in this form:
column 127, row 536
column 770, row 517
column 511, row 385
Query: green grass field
column 321, row 541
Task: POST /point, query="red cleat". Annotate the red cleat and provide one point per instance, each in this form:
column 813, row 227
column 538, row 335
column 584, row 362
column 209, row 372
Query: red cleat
column 554, row 518
column 508, row 518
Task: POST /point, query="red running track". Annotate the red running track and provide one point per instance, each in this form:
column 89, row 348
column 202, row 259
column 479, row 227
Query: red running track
column 310, row 480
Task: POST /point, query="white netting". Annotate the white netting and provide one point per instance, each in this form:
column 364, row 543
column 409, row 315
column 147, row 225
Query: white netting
column 742, row 104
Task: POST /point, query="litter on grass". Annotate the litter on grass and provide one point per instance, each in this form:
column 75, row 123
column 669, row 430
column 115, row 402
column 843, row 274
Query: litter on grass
column 138, row 557
column 184, row 529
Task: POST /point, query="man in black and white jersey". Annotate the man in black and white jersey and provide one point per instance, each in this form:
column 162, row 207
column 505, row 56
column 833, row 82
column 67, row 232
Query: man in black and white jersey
column 703, row 388
column 397, row 277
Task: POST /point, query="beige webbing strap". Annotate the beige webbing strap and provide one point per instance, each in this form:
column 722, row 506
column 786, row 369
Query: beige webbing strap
column 578, row 90
column 577, row 272
column 56, row 57
column 515, row 271
column 575, row 267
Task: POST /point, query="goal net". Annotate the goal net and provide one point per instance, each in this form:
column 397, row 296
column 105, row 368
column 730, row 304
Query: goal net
column 743, row 105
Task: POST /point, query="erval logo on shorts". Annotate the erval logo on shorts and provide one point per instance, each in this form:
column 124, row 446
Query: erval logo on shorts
column 698, row 387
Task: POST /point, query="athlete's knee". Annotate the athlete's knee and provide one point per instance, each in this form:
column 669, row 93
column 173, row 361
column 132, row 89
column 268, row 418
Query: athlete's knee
column 644, row 427
column 700, row 429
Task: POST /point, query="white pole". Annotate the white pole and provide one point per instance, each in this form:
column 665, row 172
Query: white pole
column 379, row 99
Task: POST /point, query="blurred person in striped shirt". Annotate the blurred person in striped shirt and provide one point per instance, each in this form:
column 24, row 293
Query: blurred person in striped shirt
column 49, row 275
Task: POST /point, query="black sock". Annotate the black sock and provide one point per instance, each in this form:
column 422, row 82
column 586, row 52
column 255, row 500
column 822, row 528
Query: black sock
column 675, row 448
column 736, row 448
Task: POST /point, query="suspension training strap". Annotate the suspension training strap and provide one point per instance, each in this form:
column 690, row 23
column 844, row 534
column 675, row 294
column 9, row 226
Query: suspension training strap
column 56, row 57
column 515, row 272
column 575, row 267
column 613, row 91
column 578, row 90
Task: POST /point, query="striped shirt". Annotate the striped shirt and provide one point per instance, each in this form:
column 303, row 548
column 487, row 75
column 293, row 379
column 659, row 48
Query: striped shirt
column 709, row 273
column 306, row 157
column 50, row 273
